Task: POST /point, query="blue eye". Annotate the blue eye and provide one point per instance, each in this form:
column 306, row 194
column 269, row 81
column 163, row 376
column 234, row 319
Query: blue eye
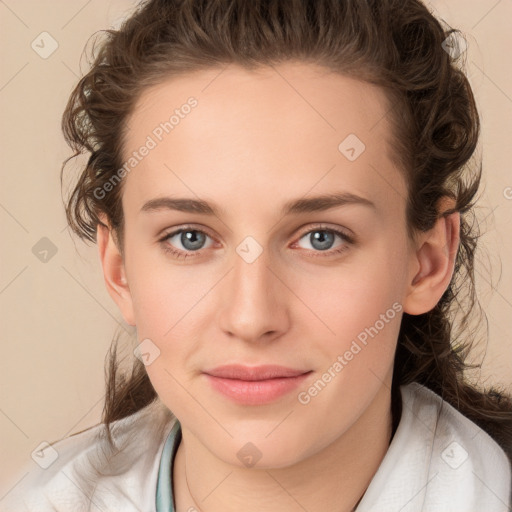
column 322, row 240
column 190, row 239
column 193, row 241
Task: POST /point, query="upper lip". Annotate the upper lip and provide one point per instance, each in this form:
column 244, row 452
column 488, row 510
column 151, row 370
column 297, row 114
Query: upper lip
column 240, row 372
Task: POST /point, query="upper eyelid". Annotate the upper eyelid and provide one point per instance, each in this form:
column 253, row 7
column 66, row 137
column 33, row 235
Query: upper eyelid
column 174, row 231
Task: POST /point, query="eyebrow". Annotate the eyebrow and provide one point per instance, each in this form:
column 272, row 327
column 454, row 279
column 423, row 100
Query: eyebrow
column 303, row 205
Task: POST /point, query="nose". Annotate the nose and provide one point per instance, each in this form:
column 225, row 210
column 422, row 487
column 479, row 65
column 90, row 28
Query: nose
column 254, row 301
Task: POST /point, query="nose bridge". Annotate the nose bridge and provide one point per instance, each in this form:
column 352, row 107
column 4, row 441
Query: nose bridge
column 252, row 303
column 251, row 274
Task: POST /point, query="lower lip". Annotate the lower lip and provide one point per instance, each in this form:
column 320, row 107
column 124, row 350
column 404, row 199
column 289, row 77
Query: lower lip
column 256, row 392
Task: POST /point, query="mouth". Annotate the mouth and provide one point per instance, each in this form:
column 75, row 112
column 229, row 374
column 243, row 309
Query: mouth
column 255, row 385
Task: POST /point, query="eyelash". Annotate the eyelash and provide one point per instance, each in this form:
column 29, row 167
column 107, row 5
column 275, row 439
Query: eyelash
column 181, row 254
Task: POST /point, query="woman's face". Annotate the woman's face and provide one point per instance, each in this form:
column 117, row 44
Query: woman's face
column 265, row 279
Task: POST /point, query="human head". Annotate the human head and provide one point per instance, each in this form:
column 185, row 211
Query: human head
column 393, row 45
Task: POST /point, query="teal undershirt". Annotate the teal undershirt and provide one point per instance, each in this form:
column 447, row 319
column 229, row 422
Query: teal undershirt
column 164, row 496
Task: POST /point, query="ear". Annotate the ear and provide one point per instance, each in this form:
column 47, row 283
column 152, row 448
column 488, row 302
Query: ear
column 432, row 264
column 114, row 272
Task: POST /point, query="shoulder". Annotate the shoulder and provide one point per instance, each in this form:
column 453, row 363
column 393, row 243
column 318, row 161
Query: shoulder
column 467, row 464
column 439, row 460
column 458, row 438
column 84, row 472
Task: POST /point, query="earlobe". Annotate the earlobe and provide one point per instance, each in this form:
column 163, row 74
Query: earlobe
column 114, row 272
column 433, row 264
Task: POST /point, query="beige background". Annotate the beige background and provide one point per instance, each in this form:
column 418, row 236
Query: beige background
column 57, row 320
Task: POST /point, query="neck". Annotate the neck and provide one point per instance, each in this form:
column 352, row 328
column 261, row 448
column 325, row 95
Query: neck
column 339, row 473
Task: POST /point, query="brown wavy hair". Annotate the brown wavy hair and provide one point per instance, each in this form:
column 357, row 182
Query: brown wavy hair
column 394, row 44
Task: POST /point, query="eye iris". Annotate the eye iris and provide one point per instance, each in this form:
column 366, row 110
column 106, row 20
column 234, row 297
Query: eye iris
column 321, row 240
column 192, row 240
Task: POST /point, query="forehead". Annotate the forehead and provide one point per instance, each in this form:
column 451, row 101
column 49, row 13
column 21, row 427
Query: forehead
column 274, row 132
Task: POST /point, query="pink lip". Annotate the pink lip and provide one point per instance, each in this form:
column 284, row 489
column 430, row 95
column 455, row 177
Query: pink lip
column 255, row 385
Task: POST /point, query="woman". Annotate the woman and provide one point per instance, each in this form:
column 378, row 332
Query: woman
column 281, row 196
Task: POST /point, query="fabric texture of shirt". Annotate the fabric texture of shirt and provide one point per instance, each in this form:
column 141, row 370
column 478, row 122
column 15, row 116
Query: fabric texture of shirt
column 438, row 461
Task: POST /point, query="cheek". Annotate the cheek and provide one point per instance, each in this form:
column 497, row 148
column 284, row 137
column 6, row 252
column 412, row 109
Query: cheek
column 172, row 387
column 353, row 296
column 165, row 295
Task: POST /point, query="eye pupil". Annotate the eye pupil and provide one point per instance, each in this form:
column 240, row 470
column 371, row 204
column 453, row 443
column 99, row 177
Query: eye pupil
column 321, row 240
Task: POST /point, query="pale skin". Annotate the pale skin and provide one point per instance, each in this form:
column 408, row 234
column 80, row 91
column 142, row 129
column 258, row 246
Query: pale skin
column 252, row 144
